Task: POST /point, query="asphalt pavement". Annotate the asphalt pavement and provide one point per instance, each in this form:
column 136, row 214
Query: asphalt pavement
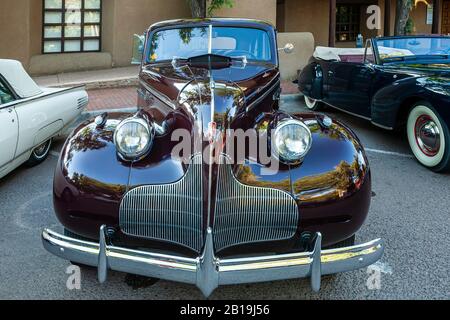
column 410, row 210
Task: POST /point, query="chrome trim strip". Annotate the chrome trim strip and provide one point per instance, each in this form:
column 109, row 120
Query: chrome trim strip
column 262, row 97
column 157, row 94
column 359, row 116
column 349, row 112
column 20, row 101
column 208, row 271
column 210, row 37
column 382, row 126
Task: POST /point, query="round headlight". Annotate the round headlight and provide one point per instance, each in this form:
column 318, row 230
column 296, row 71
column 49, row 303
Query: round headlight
column 291, row 141
column 133, row 138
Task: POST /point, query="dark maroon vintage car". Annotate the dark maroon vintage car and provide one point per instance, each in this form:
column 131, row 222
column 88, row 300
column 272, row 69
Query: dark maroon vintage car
column 163, row 193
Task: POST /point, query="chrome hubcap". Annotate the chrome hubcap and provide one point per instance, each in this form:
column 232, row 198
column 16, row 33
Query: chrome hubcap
column 427, row 134
column 42, row 149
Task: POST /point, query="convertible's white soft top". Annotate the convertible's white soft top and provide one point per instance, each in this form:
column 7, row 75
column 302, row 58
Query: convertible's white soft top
column 18, row 78
column 329, row 53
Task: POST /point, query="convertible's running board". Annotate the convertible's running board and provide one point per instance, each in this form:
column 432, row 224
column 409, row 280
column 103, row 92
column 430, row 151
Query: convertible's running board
column 208, row 271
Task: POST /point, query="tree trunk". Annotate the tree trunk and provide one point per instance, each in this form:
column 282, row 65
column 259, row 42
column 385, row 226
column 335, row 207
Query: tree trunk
column 401, row 16
column 198, row 8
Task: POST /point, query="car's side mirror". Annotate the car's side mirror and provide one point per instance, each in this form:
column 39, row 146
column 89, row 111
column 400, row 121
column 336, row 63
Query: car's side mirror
column 288, row 48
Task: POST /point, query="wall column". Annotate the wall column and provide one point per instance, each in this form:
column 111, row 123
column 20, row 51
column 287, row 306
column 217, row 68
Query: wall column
column 387, row 18
column 436, row 16
column 332, row 28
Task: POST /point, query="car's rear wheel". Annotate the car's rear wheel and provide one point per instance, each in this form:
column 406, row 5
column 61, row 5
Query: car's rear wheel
column 39, row 154
column 312, row 104
column 429, row 137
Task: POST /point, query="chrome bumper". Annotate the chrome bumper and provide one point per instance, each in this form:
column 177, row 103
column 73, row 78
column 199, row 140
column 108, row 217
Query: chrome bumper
column 207, row 272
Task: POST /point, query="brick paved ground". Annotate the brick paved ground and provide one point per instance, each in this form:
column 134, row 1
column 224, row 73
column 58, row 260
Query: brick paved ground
column 116, row 98
column 287, row 87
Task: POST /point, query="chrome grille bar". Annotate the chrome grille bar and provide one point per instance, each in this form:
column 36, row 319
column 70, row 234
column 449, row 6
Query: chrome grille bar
column 246, row 214
column 171, row 212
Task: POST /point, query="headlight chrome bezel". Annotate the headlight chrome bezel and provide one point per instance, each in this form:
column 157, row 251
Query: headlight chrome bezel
column 276, row 152
column 144, row 152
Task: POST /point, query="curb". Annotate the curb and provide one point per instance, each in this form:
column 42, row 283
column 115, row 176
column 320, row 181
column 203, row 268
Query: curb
column 101, row 84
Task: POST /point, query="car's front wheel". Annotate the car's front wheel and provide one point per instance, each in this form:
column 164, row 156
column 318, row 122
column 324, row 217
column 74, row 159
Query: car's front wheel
column 39, row 154
column 429, row 137
column 312, row 104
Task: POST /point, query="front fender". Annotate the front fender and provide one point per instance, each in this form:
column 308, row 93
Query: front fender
column 84, row 188
column 332, row 186
column 90, row 179
column 388, row 101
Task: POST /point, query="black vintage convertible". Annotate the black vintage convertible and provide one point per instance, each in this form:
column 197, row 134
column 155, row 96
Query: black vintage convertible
column 394, row 82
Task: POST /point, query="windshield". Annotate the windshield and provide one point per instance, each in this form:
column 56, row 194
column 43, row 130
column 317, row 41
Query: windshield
column 186, row 43
column 413, row 47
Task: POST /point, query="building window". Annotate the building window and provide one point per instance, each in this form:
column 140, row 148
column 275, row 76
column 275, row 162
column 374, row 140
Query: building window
column 71, row 26
column 347, row 22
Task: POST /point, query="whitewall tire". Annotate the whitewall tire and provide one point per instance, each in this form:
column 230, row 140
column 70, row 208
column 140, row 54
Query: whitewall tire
column 428, row 137
column 312, row 104
column 39, row 154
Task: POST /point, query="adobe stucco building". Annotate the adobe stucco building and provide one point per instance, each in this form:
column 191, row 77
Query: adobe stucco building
column 63, row 35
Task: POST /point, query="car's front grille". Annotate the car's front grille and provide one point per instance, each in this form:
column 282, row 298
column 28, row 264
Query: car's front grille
column 171, row 212
column 174, row 212
column 246, row 214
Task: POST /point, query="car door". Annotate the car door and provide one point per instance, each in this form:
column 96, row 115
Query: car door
column 8, row 126
column 350, row 84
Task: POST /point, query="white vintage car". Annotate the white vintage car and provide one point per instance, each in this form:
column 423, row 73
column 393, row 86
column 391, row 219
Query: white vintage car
column 31, row 116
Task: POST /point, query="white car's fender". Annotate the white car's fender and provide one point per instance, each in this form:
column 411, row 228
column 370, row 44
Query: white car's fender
column 45, row 116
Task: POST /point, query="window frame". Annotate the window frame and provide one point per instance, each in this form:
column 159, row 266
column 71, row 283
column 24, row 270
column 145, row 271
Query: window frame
column 10, row 91
column 63, row 24
column 356, row 25
column 151, row 33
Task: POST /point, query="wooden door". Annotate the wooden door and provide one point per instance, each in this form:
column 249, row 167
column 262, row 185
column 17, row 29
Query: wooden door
column 446, row 17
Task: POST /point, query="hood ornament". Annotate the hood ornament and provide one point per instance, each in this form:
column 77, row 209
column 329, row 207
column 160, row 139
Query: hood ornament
column 212, row 135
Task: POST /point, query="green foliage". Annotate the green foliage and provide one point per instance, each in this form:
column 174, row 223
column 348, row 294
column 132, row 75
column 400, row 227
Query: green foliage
column 409, row 27
column 217, row 4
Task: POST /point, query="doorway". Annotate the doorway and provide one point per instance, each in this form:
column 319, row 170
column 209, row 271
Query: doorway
column 446, row 17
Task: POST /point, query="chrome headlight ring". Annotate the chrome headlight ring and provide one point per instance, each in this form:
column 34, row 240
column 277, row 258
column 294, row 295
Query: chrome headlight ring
column 290, row 141
column 133, row 138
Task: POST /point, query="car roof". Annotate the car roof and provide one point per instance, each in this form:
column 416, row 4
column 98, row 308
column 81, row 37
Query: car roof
column 19, row 80
column 237, row 22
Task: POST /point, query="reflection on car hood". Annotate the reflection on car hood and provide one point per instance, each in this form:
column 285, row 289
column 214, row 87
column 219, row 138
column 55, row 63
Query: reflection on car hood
column 170, row 81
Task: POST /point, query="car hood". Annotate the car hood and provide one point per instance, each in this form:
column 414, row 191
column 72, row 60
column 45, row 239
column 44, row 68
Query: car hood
column 170, row 81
